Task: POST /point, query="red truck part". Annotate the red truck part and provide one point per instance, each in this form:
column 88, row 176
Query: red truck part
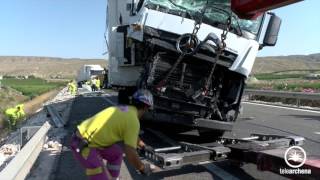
column 250, row 9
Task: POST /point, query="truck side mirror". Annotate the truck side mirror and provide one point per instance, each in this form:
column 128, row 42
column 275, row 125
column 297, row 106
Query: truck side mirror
column 272, row 31
column 130, row 8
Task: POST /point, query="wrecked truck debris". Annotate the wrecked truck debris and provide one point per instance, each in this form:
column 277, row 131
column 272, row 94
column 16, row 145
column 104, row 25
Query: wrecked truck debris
column 193, row 56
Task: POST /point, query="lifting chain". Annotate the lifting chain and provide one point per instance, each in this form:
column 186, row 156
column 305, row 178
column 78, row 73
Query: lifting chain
column 213, row 103
column 190, row 43
column 198, row 21
column 196, row 28
column 225, row 32
column 219, row 52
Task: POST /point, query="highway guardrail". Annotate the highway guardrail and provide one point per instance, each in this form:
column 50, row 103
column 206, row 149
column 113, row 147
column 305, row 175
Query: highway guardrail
column 20, row 166
column 282, row 94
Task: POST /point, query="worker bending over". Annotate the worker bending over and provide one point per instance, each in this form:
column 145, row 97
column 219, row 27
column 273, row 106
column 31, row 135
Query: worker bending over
column 108, row 134
column 14, row 114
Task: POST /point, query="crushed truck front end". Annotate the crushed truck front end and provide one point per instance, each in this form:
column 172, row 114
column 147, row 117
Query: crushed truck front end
column 173, row 48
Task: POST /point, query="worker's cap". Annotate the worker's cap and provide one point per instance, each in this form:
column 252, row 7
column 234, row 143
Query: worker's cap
column 144, row 96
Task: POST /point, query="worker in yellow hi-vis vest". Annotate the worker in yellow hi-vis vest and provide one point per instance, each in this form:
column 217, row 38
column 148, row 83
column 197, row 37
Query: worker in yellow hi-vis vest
column 69, row 86
column 14, row 114
column 98, row 83
column 110, row 133
column 72, row 87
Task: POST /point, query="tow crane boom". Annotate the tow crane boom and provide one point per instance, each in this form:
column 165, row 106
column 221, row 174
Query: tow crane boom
column 250, row 9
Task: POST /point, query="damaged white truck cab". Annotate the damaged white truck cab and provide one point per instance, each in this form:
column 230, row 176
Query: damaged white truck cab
column 193, row 55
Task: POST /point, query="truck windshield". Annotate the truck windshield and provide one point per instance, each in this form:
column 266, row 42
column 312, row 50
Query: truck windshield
column 216, row 12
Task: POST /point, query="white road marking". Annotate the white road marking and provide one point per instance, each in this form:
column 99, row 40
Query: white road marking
column 281, row 107
column 108, row 95
column 318, row 133
column 219, row 171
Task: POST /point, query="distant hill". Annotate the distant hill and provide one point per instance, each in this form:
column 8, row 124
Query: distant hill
column 48, row 67
column 44, row 67
column 285, row 63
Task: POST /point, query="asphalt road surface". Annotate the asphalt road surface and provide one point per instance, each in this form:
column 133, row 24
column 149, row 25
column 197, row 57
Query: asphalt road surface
column 256, row 118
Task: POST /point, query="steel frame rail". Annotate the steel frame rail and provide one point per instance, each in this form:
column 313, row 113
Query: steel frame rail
column 266, row 151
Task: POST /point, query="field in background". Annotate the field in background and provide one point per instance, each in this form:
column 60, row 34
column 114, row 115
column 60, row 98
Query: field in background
column 299, row 73
column 48, row 74
column 294, row 80
column 32, row 92
column 31, row 87
column 287, row 85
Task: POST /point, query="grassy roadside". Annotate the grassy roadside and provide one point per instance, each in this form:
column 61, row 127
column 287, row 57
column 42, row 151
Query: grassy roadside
column 32, row 92
column 8, row 98
column 31, row 107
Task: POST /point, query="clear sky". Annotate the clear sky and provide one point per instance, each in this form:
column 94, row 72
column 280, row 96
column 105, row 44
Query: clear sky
column 56, row 28
column 75, row 28
column 300, row 30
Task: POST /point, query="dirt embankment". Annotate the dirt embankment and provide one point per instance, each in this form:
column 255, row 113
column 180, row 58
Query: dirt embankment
column 10, row 98
column 31, row 106
column 36, row 103
column 286, row 63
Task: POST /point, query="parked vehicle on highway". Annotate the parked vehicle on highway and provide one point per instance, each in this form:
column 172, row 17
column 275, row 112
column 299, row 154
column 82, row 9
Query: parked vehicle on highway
column 87, row 72
column 194, row 56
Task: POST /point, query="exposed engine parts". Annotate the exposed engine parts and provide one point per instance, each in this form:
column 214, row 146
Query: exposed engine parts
column 190, row 86
column 194, row 56
column 186, row 81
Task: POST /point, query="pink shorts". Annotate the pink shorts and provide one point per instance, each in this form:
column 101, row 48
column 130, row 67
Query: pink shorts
column 92, row 159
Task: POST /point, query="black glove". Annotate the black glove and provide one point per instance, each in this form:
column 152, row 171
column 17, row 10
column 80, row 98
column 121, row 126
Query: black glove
column 146, row 170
